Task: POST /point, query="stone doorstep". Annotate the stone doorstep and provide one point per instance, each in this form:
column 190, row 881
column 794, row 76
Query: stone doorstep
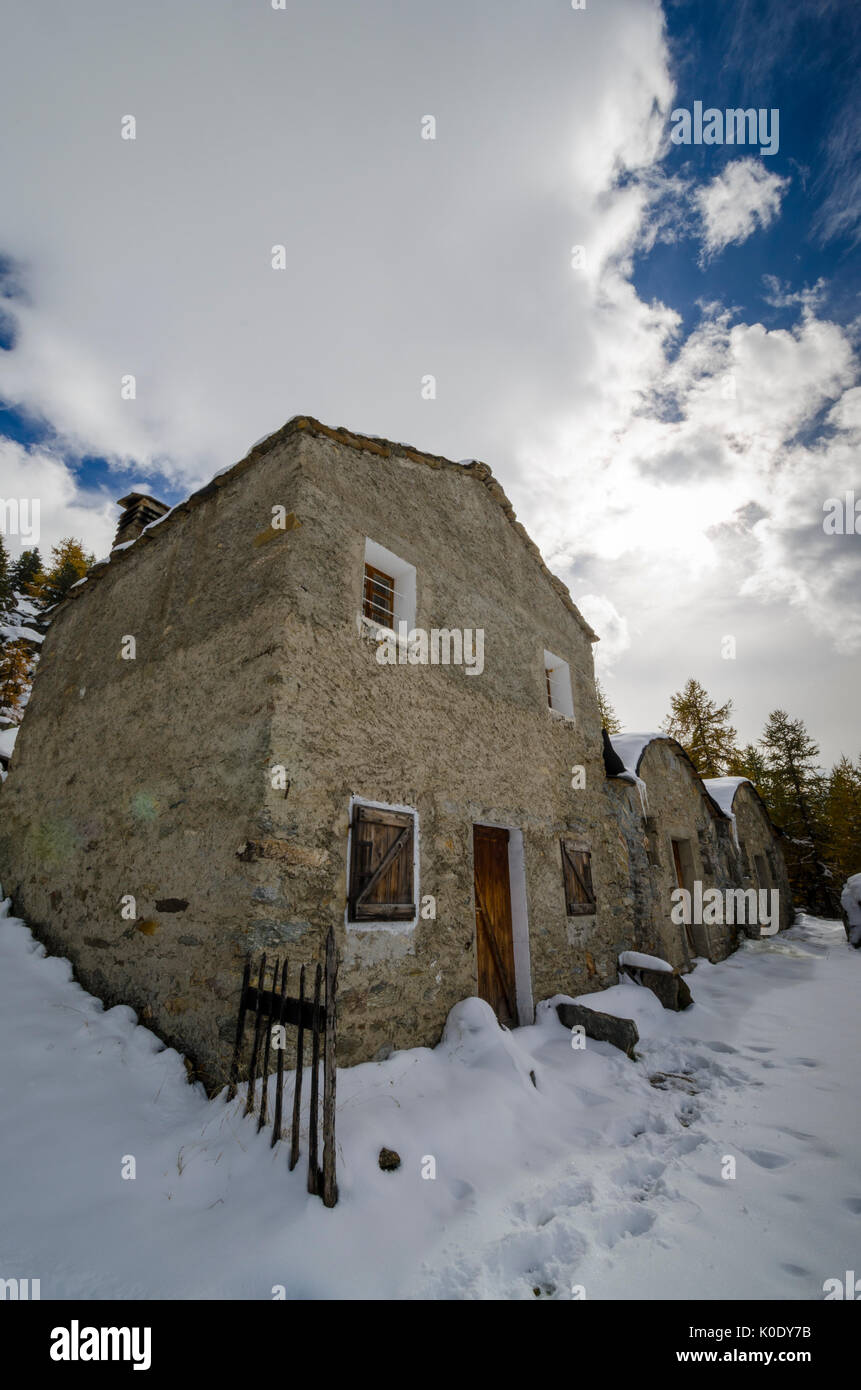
column 620, row 1032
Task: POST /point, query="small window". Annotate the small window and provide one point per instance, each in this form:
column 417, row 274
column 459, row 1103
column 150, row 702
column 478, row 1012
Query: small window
column 379, row 601
column 577, row 871
column 557, row 675
column 388, row 588
column 382, row 871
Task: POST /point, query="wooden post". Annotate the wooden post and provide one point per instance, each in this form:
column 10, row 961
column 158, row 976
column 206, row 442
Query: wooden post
column 240, row 1029
column 297, row 1075
column 330, row 1186
column 264, row 1094
column 252, row 1070
column 313, row 1170
column 279, row 1085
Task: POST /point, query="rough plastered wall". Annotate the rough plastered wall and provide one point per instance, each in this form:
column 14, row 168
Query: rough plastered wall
column 757, row 836
column 142, row 777
column 649, row 915
column 679, row 810
column 151, row 778
column 457, row 748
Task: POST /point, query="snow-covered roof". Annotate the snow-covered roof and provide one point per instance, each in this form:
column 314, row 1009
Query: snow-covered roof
column 723, row 790
column 631, row 747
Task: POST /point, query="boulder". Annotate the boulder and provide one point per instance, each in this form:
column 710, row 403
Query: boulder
column 620, row 1032
column 668, row 986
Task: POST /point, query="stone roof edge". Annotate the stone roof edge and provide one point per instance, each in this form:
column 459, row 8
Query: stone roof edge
column 299, row 424
column 668, row 738
column 746, row 782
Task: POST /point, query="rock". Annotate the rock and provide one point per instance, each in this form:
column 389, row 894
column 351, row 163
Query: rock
column 389, row 1160
column 621, row 1032
column 671, row 989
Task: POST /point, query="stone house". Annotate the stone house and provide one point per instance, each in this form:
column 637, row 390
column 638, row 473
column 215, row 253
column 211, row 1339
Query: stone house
column 337, row 685
column 681, row 831
column 757, row 840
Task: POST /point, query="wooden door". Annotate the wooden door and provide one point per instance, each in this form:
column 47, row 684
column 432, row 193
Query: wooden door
column 677, row 860
column 680, row 879
column 493, row 930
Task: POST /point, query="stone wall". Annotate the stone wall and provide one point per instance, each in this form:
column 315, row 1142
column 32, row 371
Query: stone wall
column 457, row 748
column 143, row 777
column 678, row 809
column 758, row 837
column 150, row 777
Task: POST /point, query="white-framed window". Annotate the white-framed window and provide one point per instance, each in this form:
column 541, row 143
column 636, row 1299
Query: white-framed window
column 557, row 678
column 388, row 588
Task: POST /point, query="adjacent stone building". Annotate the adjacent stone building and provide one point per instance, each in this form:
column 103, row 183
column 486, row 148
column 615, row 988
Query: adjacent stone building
column 683, row 831
column 336, row 686
column 757, row 839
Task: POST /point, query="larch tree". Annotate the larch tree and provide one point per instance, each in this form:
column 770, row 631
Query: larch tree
column 843, row 814
column 15, row 675
column 797, row 801
column 703, row 729
column 69, row 563
column 609, row 718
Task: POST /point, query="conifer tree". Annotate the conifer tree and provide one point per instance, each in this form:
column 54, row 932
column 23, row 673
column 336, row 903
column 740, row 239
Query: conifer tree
column 797, row 802
column 750, row 762
column 843, row 816
column 25, row 569
column 14, row 675
column 69, row 563
column 609, row 718
column 703, row 729
column 7, row 597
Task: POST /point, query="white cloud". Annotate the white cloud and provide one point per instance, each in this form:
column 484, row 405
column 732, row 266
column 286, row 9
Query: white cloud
column 743, row 196
column 36, row 475
column 671, row 480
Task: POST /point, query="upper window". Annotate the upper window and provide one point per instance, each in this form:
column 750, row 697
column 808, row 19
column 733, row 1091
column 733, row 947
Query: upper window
column 379, row 601
column 382, row 866
column 389, row 588
column 577, row 871
column 557, row 675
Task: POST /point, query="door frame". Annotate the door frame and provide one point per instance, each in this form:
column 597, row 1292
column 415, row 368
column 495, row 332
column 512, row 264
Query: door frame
column 519, row 919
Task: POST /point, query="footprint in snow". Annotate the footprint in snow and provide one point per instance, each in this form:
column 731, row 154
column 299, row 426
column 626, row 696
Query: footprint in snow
column 764, row 1158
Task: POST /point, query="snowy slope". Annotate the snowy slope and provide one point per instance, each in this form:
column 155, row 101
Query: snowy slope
column 592, row 1176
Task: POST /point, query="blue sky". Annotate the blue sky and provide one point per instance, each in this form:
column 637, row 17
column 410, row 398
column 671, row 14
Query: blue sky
column 802, row 59
column 596, row 395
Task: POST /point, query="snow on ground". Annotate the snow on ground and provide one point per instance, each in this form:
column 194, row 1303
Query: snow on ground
column 7, row 741
column 591, row 1176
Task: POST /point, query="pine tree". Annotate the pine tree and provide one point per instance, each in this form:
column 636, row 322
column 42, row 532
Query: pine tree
column 609, row 718
column 703, row 729
column 25, row 569
column 14, row 675
column 7, row 596
column 797, row 801
column 69, row 563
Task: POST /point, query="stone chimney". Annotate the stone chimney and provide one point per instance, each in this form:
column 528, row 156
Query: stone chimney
column 139, row 510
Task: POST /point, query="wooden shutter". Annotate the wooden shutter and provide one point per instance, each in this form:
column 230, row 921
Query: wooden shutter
column 382, row 886
column 577, row 869
column 379, row 603
column 548, row 671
